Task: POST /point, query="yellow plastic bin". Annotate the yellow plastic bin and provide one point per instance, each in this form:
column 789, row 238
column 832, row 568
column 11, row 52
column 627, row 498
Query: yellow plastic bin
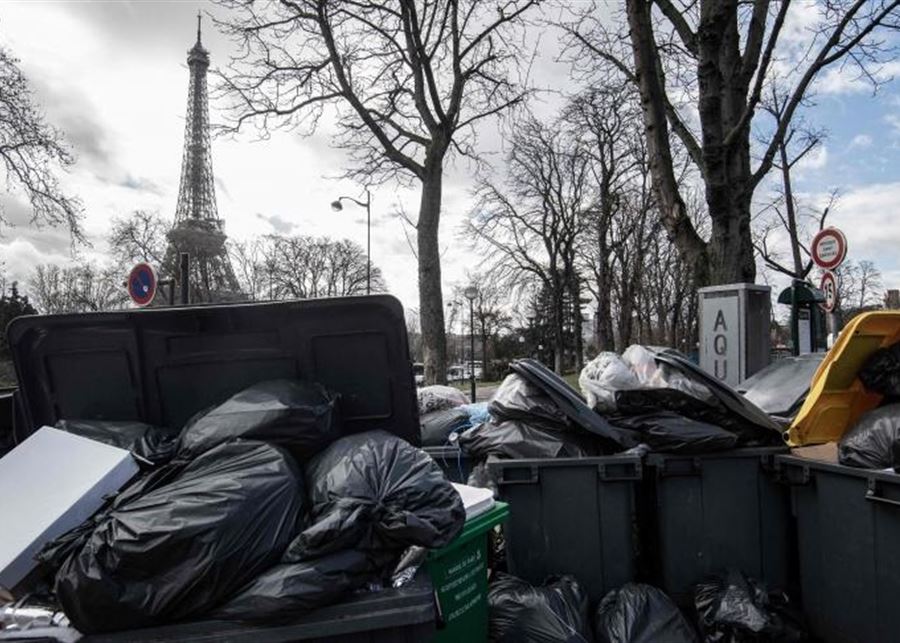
column 837, row 398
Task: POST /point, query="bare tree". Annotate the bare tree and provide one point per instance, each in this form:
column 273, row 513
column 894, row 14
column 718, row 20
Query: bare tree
column 77, row 289
column 409, row 80
column 870, row 288
column 724, row 55
column 141, row 236
column 300, row 267
column 530, row 226
column 30, row 148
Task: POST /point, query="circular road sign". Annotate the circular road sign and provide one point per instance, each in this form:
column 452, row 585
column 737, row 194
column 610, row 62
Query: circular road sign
column 828, row 286
column 829, row 248
column 142, row 284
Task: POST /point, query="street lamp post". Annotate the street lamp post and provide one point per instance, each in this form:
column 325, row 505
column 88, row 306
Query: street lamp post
column 337, row 206
column 471, row 293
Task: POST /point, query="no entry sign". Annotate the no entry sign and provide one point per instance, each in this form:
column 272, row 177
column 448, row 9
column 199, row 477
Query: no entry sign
column 142, row 284
column 828, row 286
column 829, row 248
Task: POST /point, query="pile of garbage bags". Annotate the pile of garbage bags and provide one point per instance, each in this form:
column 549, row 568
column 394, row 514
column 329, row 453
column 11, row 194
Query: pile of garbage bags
column 874, row 442
column 444, row 411
column 729, row 607
column 259, row 509
column 645, row 400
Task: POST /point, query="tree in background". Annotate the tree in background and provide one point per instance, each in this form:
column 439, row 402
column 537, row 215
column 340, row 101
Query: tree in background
column 725, row 59
column 29, row 149
column 139, row 237
column 302, row 267
column 12, row 304
column 408, row 80
column 79, row 288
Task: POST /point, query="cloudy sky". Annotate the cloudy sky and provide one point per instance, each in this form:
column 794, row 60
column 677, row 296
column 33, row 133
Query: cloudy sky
column 113, row 76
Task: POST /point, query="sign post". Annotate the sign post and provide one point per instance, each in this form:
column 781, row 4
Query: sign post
column 142, row 284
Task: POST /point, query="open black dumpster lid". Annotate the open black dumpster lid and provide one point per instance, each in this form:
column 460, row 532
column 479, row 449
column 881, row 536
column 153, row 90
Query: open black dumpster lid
column 162, row 365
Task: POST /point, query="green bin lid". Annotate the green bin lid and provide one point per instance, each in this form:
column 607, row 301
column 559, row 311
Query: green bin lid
column 474, row 527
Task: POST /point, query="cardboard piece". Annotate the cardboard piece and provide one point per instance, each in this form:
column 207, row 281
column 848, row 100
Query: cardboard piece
column 827, row 452
column 49, row 484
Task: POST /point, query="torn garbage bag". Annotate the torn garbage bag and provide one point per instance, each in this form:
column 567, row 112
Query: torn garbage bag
column 519, row 612
column 734, row 608
column 289, row 589
column 373, row 491
column 881, row 372
column 299, row 416
column 514, row 439
column 667, row 432
column 437, row 426
column 152, row 445
column 168, row 552
column 602, row 377
column 638, row 613
column 439, row 398
column 869, row 444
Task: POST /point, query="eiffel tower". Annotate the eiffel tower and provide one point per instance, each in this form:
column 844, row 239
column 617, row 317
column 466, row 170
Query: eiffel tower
column 198, row 230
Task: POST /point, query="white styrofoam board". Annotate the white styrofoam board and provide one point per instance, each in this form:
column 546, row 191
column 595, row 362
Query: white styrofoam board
column 475, row 499
column 49, row 484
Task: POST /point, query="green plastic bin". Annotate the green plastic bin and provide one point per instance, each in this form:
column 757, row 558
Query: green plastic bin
column 459, row 573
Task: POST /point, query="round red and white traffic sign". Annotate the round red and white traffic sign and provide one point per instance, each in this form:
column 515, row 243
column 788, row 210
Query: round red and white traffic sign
column 829, row 248
column 142, row 284
column 828, row 286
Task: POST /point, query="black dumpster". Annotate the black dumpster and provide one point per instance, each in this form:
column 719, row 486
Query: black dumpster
column 848, row 535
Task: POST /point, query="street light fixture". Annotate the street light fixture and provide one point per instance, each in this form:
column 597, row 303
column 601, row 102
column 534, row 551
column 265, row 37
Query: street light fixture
column 337, row 206
column 471, row 293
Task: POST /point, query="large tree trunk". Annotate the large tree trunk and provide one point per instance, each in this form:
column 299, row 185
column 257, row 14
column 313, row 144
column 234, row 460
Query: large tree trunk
column 431, row 301
column 577, row 324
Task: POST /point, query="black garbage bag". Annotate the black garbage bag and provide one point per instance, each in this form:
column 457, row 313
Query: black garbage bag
column 288, row 590
column 881, row 372
column 638, row 402
column 300, row 416
column 734, row 608
column 869, row 444
column 638, row 613
column 518, row 399
column 895, row 449
column 152, row 445
column 519, row 612
column 183, row 539
column 372, row 492
column 668, row 432
column 517, row 439
column 437, row 426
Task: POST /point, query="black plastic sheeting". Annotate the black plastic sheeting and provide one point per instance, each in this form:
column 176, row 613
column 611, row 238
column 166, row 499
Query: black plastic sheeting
column 782, row 386
column 638, row 613
column 612, row 439
column 290, row 589
column 557, row 612
column 668, row 432
column 184, row 538
column 870, row 444
column 152, row 445
column 375, row 492
column 438, row 425
column 733, row 608
column 518, row 399
column 663, row 399
column 881, row 372
column 514, row 439
column 300, row 416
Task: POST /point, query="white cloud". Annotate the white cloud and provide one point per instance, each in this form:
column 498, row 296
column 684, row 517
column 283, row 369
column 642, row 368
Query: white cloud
column 861, row 140
column 815, row 160
column 847, row 79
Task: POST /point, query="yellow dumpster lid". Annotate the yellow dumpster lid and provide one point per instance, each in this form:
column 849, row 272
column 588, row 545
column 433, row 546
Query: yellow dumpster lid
column 837, row 398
